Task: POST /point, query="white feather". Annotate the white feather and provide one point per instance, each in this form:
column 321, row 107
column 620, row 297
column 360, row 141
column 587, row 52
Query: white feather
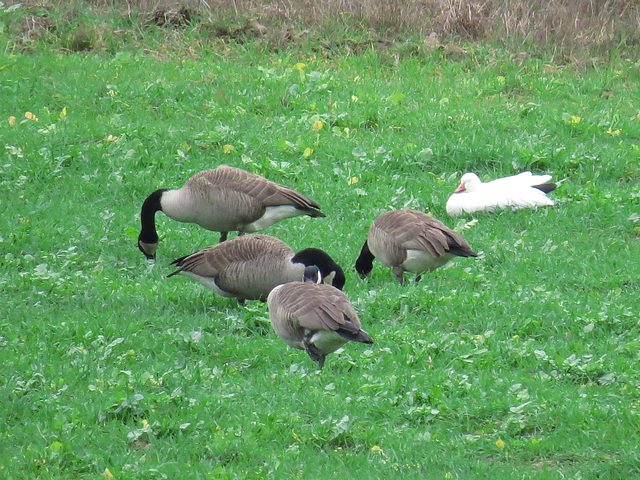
column 419, row 261
column 207, row 282
column 327, row 341
column 273, row 215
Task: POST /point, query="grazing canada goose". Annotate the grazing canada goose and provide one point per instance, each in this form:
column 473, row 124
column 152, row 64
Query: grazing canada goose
column 224, row 199
column 410, row 241
column 250, row 266
column 314, row 317
column 524, row 190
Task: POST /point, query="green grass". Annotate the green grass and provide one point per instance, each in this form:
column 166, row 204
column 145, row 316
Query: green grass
column 106, row 364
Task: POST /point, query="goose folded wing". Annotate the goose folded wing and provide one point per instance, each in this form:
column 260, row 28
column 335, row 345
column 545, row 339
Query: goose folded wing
column 287, row 196
column 265, row 191
column 521, row 179
column 425, row 236
column 322, row 315
column 320, row 307
column 520, row 196
column 204, row 263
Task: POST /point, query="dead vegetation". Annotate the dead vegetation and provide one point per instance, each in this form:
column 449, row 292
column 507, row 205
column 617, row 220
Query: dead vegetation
column 569, row 27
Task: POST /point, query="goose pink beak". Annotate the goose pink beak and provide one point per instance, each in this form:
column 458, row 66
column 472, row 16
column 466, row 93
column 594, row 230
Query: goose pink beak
column 460, row 188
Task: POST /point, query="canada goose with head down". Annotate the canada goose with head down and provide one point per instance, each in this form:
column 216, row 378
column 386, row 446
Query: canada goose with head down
column 224, row 199
column 314, row 317
column 250, row 266
column 410, row 241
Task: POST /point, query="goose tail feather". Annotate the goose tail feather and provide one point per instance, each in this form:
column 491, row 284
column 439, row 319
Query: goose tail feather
column 546, row 187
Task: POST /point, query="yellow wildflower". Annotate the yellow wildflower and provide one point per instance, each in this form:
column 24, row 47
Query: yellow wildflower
column 307, row 152
column 318, row 125
column 12, row 120
column 299, row 66
column 228, row 148
column 352, row 180
column 500, row 444
column 575, row 119
column 376, row 449
column 31, row 116
column 107, row 473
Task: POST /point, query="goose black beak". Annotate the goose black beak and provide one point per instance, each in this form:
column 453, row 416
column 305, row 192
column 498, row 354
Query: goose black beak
column 149, row 256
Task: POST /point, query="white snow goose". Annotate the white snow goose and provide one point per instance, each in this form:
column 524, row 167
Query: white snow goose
column 524, row 190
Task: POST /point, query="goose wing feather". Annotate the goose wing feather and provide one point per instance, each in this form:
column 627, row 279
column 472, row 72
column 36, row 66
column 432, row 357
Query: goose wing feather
column 248, row 266
column 316, row 307
column 528, row 197
column 415, row 230
column 212, row 260
column 251, row 186
column 524, row 178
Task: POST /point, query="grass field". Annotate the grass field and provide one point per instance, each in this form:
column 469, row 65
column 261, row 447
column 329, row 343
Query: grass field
column 522, row 363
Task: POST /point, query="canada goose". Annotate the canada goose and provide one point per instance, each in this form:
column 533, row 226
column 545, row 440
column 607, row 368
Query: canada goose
column 249, row 267
column 411, row 241
column 524, row 190
column 224, row 199
column 314, row 317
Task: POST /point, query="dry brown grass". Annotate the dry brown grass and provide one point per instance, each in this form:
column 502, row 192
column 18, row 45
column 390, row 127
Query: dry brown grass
column 586, row 27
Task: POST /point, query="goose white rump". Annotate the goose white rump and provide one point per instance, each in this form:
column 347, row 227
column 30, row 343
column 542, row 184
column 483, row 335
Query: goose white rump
column 524, row 190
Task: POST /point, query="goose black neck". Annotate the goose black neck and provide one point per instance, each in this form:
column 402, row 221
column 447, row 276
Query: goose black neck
column 364, row 263
column 150, row 206
column 322, row 260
